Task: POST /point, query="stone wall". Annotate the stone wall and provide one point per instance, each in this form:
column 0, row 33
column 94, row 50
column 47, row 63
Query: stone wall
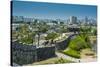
column 46, row 52
column 27, row 54
column 64, row 44
column 23, row 54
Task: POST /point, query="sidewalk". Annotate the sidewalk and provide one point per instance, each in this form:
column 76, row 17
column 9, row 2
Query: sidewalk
column 61, row 55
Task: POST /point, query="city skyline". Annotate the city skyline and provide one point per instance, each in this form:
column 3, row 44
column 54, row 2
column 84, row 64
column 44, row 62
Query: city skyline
column 42, row 10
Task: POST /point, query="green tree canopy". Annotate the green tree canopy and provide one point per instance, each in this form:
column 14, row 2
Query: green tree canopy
column 51, row 36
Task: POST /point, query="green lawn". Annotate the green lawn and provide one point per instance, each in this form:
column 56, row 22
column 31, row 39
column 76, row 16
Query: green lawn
column 60, row 60
column 76, row 45
column 72, row 53
column 54, row 60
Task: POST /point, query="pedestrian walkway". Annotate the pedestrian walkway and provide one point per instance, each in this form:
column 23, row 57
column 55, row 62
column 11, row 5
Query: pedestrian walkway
column 61, row 55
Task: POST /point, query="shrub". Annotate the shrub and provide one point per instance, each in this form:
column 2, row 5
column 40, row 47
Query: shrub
column 52, row 36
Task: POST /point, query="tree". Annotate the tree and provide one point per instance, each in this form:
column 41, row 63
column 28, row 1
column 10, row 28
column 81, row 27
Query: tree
column 55, row 22
column 61, row 23
column 51, row 36
column 25, row 34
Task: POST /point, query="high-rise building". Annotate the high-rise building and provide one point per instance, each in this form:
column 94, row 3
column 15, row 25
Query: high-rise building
column 86, row 20
column 22, row 18
column 26, row 19
column 73, row 20
column 17, row 18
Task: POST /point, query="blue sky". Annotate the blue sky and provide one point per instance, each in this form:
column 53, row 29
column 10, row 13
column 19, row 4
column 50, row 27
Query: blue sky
column 52, row 11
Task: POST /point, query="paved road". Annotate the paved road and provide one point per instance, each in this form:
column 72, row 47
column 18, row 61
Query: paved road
column 88, row 59
column 61, row 55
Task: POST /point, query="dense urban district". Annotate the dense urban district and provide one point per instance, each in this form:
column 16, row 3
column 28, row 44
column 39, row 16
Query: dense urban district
column 52, row 41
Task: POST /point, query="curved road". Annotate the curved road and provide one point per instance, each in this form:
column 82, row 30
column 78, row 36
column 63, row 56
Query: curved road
column 61, row 55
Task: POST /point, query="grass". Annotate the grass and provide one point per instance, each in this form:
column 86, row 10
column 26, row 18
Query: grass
column 54, row 60
column 76, row 45
column 60, row 60
column 72, row 53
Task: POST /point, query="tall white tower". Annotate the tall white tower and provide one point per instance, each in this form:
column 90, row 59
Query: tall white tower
column 73, row 20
